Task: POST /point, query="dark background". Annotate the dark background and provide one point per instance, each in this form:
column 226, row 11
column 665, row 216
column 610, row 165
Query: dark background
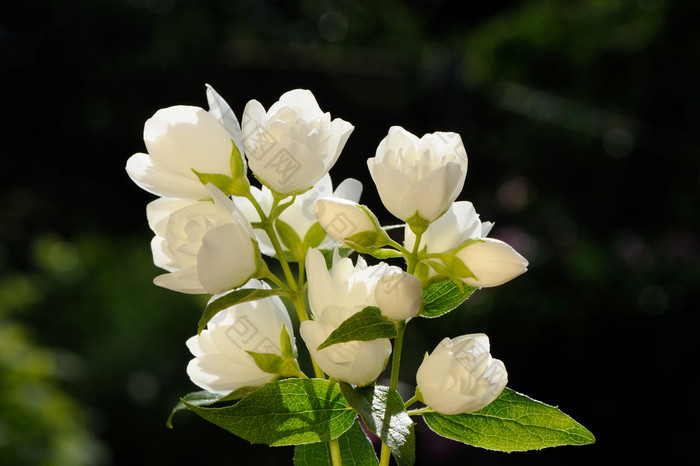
column 580, row 120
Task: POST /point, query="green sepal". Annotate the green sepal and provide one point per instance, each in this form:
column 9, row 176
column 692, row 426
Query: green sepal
column 384, row 253
column 206, row 398
column 355, row 449
column 442, row 297
column 343, row 252
column 513, row 422
column 417, row 224
column 285, row 365
column 226, row 184
column 368, row 239
column 290, row 238
column 285, row 412
column 366, row 325
column 384, row 413
column 239, row 296
column 288, row 349
column 445, row 271
column 275, row 364
column 314, row 236
column 238, row 167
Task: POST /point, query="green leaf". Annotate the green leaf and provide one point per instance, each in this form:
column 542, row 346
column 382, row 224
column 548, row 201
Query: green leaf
column 513, row 422
column 241, row 295
column 290, row 238
column 205, row 398
column 442, row 297
column 287, row 412
column 314, row 236
column 384, row 413
column 368, row 324
column 355, row 449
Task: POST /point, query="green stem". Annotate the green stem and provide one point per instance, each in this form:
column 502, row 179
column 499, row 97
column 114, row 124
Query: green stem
column 385, row 455
column 412, row 258
column 396, row 356
column 296, row 292
column 415, row 399
column 411, row 263
column 335, row 452
column 274, row 279
column 416, row 412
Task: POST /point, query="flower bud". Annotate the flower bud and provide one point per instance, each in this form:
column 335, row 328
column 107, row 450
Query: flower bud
column 221, row 364
column 399, row 294
column 342, row 219
column 460, row 376
column 418, row 179
column 355, row 362
column 293, row 144
column 492, row 262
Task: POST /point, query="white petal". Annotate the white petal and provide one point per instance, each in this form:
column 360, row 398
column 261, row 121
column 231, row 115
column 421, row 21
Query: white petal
column 226, row 259
column 350, row 189
column 221, row 110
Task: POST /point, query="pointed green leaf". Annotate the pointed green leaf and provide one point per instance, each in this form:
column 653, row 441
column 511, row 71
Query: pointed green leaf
column 290, row 238
column 287, row 412
column 276, row 364
column 442, row 297
column 288, row 350
column 241, row 295
column 446, row 271
column 368, row 324
column 384, row 413
column 314, row 236
column 227, row 185
column 205, row 398
column 458, row 267
column 238, row 166
column 385, row 253
column 368, row 239
column 355, row 449
column 513, row 422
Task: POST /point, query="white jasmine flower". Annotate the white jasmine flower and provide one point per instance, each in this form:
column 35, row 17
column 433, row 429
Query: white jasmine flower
column 293, row 144
column 207, row 247
column 399, row 294
column 180, row 139
column 419, row 176
column 334, row 296
column 221, row 364
column 460, row 376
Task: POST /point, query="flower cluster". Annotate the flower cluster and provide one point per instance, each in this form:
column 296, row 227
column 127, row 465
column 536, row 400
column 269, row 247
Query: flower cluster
column 216, row 234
